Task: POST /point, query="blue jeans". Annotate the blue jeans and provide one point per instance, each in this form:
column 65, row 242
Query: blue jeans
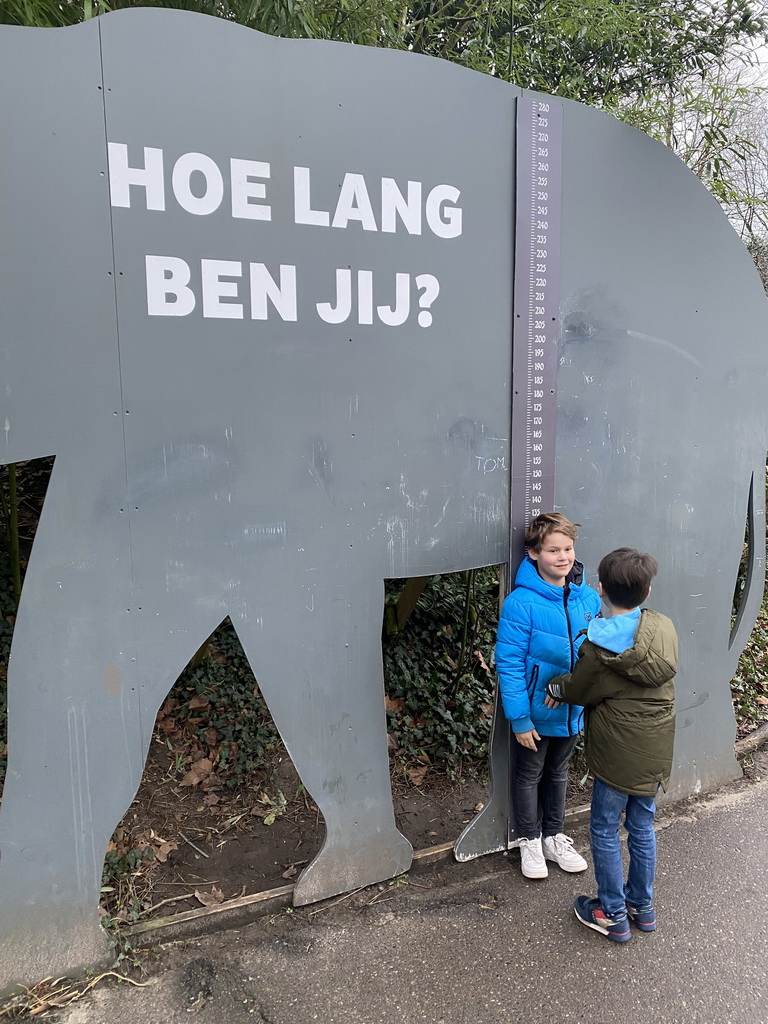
column 639, row 812
column 539, row 783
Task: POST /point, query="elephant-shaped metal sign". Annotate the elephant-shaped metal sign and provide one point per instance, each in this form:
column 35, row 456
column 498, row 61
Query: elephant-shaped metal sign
column 257, row 301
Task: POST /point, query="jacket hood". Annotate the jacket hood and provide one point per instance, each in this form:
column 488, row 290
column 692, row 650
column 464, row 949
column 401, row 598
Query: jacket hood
column 652, row 659
column 615, row 634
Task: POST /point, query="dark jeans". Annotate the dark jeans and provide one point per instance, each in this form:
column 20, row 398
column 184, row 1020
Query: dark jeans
column 539, row 781
column 608, row 805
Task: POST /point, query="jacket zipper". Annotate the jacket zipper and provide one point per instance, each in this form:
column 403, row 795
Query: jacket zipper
column 532, row 682
column 566, row 592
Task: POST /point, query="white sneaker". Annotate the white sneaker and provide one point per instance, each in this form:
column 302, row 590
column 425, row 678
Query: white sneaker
column 532, row 859
column 560, row 849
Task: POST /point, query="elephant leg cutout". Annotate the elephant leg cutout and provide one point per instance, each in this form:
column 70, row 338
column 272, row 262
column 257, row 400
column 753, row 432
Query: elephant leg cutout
column 319, row 666
column 74, row 761
column 85, row 713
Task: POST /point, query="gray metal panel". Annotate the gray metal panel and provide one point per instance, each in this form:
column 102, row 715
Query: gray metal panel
column 73, row 755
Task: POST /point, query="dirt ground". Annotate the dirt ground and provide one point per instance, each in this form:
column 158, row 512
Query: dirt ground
column 210, row 844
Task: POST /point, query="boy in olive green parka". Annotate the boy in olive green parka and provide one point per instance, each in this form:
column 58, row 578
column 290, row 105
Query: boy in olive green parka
column 624, row 677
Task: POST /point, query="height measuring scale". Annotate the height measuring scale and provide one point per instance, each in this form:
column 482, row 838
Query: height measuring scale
column 536, row 313
column 535, row 337
column 539, row 132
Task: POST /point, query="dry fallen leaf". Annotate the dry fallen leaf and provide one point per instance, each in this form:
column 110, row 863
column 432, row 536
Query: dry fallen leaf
column 482, row 661
column 199, row 770
column 210, row 899
column 162, row 851
column 416, row 775
column 211, row 782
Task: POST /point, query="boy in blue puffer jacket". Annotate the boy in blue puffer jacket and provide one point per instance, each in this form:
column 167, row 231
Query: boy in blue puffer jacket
column 538, row 638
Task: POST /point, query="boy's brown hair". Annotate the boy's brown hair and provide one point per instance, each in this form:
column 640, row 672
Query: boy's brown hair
column 625, row 575
column 537, row 531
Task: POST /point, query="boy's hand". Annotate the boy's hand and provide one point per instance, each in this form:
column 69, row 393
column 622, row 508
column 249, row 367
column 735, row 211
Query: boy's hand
column 550, row 702
column 526, row 739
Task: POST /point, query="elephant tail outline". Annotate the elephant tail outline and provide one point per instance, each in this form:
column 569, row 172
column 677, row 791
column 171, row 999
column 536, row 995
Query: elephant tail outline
column 752, row 595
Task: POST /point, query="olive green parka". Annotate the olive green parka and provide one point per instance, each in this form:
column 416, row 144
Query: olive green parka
column 629, row 699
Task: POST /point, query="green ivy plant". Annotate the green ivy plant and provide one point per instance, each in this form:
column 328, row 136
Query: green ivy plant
column 438, row 672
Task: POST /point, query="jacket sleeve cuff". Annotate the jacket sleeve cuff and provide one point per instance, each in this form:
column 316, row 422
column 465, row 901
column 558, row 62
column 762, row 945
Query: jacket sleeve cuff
column 521, row 724
column 556, row 688
column 554, row 691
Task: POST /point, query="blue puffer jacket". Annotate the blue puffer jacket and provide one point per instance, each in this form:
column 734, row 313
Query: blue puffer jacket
column 538, row 640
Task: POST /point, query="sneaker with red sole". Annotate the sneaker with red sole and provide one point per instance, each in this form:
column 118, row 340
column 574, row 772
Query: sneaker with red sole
column 590, row 913
column 644, row 920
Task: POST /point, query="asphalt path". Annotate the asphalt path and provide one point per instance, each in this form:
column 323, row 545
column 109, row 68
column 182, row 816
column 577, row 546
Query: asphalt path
column 477, row 943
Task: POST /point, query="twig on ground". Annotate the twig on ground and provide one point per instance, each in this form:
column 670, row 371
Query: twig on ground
column 163, row 903
column 196, row 848
column 340, row 900
column 377, row 899
column 50, row 994
column 203, row 881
